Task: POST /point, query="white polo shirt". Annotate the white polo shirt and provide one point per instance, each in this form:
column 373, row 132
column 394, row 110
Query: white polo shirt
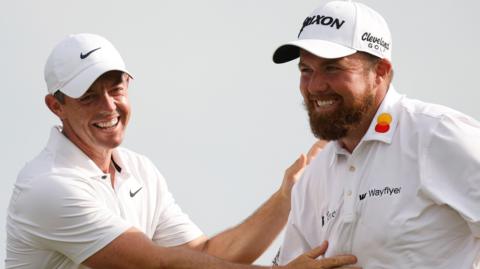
column 408, row 196
column 63, row 208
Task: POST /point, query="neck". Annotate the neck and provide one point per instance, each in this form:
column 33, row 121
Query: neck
column 101, row 157
column 355, row 135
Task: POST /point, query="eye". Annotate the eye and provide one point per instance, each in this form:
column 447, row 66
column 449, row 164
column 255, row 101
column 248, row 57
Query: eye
column 305, row 70
column 117, row 91
column 332, row 68
column 86, row 98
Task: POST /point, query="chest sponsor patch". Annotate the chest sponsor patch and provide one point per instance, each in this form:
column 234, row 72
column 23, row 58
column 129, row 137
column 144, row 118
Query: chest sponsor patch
column 327, row 217
column 378, row 193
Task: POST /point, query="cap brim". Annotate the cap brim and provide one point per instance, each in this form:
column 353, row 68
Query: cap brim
column 320, row 48
column 80, row 84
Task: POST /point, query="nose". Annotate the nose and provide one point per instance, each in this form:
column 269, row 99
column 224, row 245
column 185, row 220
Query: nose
column 317, row 83
column 107, row 102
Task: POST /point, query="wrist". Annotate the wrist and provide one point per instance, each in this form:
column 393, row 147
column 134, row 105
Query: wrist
column 282, row 198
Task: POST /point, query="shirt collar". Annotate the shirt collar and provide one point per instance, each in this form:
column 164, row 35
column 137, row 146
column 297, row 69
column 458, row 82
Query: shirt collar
column 383, row 125
column 69, row 156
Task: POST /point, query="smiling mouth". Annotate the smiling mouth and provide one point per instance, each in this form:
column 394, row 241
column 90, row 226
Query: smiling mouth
column 324, row 103
column 107, row 124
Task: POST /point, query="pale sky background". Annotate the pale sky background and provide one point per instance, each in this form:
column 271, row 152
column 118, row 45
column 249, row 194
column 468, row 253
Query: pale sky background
column 210, row 109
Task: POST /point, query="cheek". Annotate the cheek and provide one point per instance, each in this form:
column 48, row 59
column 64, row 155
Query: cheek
column 125, row 109
column 123, row 104
column 303, row 87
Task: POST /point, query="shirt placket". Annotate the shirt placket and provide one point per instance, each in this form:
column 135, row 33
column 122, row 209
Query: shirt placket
column 349, row 216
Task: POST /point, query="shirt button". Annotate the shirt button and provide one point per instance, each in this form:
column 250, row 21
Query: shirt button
column 104, row 177
column 351, row 168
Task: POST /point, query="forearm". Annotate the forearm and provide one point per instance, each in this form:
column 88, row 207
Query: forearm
column 133, row 249
column 187, row 259
column 245, row 242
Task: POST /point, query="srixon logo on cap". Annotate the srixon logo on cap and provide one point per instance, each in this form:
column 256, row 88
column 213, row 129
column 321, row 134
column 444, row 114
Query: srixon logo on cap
column 322, row 20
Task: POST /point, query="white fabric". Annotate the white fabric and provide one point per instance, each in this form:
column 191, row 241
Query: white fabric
column 63, row 207
column 406, row 198
column 337, row 29
column 77, row 61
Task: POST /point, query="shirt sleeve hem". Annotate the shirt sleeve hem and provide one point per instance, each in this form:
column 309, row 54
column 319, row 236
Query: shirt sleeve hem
column 101, row 243
column 180, row 240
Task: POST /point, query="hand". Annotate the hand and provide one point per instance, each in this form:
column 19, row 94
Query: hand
column 308, row 260
column 315, row 149
column 295, row 171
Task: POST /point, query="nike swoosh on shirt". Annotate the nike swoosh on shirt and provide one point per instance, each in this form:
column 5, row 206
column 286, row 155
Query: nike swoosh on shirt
column 134, row 193
column 83, row 56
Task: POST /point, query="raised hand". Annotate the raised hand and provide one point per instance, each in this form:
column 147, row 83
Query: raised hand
column 295, row 171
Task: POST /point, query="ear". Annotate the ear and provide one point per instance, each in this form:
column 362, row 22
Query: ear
column 383, row 70
column 54, row 105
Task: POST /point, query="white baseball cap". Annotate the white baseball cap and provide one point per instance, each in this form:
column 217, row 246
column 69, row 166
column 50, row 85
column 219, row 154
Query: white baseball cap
column 77, row 61
column 338, row 29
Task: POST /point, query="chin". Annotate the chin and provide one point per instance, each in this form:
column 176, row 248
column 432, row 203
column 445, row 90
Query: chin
column 112, row 143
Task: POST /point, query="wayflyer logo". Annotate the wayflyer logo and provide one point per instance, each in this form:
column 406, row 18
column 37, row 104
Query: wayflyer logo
column 378, row 193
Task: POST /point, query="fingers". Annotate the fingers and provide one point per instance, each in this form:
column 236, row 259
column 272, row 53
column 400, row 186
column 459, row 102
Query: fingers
column 338, row 261
column 299, row 164
column 292, row 175
column 294, row 171
column 331, row 262
column 311, row 260
column 320, row 250
column 315, row 149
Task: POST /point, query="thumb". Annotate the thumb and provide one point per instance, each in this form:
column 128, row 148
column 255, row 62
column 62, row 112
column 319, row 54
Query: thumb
column 320, row 250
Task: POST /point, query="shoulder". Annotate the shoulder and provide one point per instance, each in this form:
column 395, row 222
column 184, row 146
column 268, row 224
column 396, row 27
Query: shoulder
column 434, row 113
column 426, row 121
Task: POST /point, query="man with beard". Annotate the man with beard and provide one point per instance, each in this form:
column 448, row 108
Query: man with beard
column 86, row 202
column 398, row 185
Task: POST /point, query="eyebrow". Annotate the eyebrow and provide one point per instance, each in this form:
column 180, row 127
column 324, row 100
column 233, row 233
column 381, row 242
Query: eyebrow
column 325, row 62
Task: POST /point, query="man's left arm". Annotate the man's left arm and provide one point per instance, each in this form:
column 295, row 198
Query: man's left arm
column 245, row 242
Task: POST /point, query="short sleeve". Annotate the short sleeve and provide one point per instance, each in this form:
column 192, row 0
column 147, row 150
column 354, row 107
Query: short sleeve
column 174, row 226
column 63, row 214
column 450, row 168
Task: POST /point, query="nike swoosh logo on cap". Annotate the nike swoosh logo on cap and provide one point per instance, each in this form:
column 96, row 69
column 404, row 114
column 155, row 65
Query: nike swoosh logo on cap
column 83, row 56
column 134, row 193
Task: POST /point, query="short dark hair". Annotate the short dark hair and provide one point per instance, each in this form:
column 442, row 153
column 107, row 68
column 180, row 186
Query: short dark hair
column 60, row 96
column 373, row 60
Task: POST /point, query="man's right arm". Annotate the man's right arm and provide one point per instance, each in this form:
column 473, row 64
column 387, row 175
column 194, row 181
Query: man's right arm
column 133, row 249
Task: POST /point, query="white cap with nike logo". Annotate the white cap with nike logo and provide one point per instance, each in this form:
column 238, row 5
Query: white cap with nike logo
column 77, row 61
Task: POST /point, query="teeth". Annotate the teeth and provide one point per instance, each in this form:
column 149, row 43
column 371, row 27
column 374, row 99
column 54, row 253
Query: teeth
column 321, row 103
column 107, row 124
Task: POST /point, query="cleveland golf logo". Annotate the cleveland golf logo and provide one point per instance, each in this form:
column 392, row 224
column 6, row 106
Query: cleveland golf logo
column 322, row 20
column 377, row 193
column 376, row 43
